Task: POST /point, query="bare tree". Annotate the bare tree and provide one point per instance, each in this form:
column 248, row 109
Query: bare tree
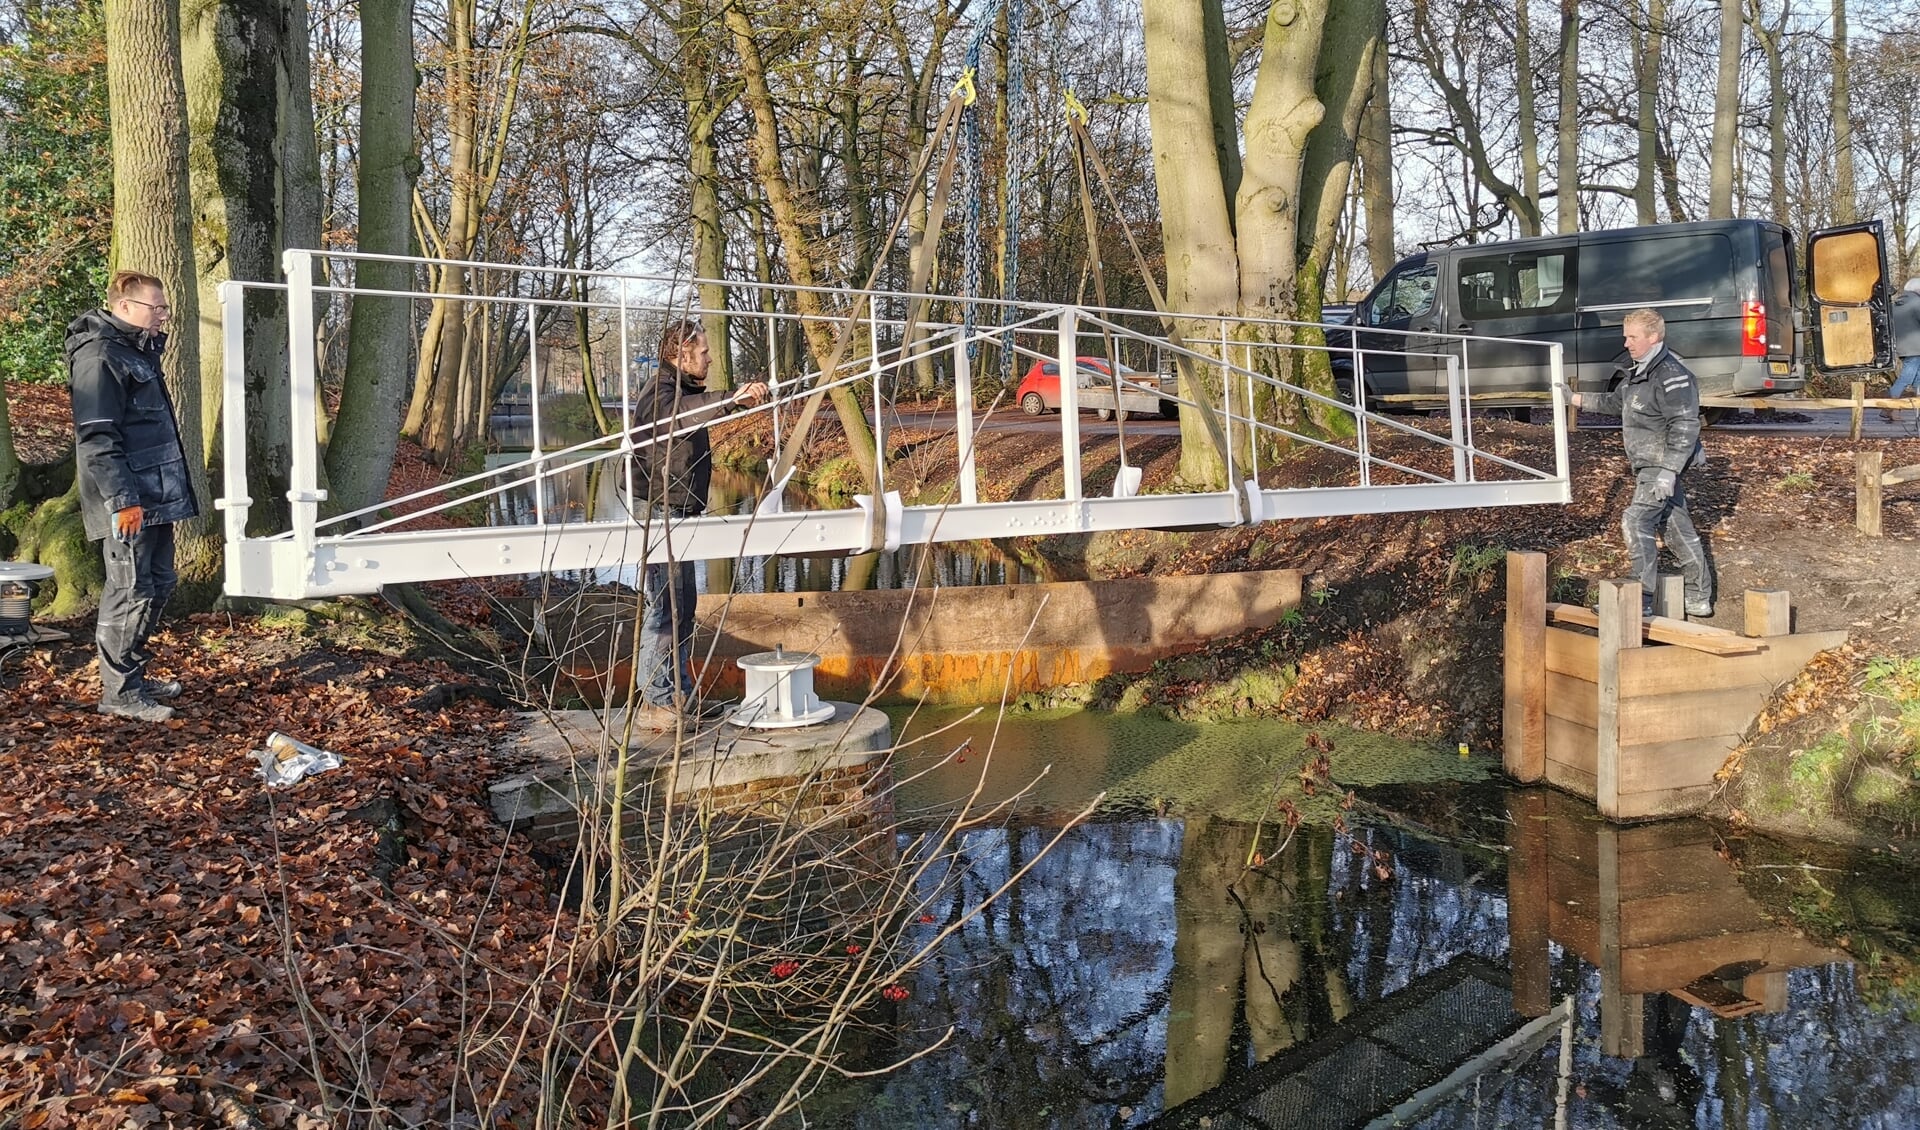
column 1726, row 112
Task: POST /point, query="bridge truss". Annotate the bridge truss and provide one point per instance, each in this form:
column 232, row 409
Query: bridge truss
column 1386, row 463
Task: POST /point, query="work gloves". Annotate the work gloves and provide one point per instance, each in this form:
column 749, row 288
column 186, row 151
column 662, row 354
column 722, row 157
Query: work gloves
column 1662, row 485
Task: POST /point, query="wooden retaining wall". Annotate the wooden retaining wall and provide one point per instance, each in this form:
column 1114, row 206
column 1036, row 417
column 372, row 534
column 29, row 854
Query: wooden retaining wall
column 1636, row 715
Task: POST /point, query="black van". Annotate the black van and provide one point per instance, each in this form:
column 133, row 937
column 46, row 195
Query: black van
column 1729, row 290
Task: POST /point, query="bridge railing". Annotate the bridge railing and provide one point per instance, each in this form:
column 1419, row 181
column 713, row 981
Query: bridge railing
column 1241, row 380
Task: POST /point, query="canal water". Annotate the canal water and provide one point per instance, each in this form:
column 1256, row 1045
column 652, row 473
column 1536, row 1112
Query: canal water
column 1497, row 955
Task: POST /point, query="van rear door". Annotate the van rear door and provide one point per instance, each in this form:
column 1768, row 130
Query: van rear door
column 1849, row 299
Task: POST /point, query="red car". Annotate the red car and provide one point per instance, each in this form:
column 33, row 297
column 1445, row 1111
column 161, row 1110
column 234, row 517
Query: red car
column 1039, row 391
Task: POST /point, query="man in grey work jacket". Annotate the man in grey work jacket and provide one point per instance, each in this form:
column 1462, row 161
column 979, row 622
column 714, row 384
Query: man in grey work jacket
column 133, row 481
column 1659, row 408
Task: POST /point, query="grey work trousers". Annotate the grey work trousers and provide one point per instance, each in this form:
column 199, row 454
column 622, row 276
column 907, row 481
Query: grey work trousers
column 1645, row 518
column 140, row 577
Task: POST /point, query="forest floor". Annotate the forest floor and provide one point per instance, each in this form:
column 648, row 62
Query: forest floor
column 181, row 946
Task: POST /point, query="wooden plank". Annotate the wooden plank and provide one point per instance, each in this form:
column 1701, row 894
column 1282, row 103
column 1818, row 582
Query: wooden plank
column 1658, row 920
column 1524, row 710
column 1619, row 606
column 1769, row 612
column 1572, row 653
column 1575, row 700
column 1572, row 745
column 1670, row 596
column 1793, row 403
column 1659, row 767
column 1623, row 1014
column 1579, row 782
column 1656, row 670
column 1662, row 804
column 1663, row 629
column 1866, row 491
column 1528, row 899
column 1685, row 715
column 1900, row 475
column 1859, row 409
column 1655, row 969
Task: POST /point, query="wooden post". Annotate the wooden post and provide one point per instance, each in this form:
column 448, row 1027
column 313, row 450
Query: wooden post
column 1623, row 1015
column 1866, row 492
column 1523, row 730
column 1528, row 909
column 1859, row 407
column 1769, row 612
column 1670, row 596
column 1619, row 631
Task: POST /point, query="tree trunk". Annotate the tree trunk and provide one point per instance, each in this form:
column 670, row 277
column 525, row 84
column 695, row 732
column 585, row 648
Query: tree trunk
column 447, row 366
column 1845, row 201
column 254, row 170
column 704, row 108
column 9, row 460
column 1186, row 45
column 786, row 218
column 1462, row 104
column 152, row 229
column 1646, row 54
column 1342, row 80
column 1567, row 199
column 360, row 454
column 1529, row 123
column 1769, row 39
column 1726, row 114
column 1376, row 171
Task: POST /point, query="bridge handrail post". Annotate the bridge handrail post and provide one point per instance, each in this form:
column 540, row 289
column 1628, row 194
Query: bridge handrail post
column 1226, row 407
column 626, row 405
column 533, row 383
column 233, row 418
column 879, row 413
column 1457, row 413
column 1068, row 346
column 303, row 464
column 963, row 419
column 1557, row 384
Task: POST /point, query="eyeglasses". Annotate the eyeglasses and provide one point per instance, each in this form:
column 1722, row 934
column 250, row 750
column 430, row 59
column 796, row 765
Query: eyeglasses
column 160, row 306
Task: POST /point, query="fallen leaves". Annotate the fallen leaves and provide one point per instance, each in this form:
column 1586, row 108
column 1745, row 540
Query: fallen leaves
column 181, row 948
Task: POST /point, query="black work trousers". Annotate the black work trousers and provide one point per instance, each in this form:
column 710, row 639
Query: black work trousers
column 140, row 578
column 1647, row 516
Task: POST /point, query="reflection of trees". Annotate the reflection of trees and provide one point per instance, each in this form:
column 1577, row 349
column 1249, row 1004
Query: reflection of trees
column 1058, row 994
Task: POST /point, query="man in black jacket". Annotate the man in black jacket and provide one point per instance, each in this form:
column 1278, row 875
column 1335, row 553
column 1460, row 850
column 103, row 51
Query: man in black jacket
column 1659, row 408
column 133, row 481
column 673, row 467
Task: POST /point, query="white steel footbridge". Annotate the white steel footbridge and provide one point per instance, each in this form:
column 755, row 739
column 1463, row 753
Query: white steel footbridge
column 1385, row 462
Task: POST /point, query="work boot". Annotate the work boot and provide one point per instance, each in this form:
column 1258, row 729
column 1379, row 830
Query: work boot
column 659, row 719
column 1699, row 609
column 161, row 690
column 139, row 709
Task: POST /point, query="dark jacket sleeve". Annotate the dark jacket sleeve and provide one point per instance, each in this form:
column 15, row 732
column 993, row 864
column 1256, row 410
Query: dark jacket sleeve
column 1606, row 403
column 1678, row 398
column 658, row 412
column 99, row 420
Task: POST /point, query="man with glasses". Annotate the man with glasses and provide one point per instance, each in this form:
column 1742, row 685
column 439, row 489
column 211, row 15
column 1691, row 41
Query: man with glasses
column 133, row 481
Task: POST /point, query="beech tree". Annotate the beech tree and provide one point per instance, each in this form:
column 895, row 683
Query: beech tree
column 152, row 233
column 1233, row 228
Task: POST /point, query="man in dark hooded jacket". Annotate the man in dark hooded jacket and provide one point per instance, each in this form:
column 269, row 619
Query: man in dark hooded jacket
column 1658, row 404
column 133, row 481
column 673, row 468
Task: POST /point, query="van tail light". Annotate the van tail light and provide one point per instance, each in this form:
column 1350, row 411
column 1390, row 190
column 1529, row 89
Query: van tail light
column 1753, row 329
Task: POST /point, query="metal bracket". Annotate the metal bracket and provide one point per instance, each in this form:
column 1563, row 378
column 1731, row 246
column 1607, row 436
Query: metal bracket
column 894, row 507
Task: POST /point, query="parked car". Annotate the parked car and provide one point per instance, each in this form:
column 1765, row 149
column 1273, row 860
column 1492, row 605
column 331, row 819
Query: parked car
column 1039, row 391
column 1729, row 290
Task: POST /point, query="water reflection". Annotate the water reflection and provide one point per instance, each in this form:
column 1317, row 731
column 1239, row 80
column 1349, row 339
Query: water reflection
column 1144, row 974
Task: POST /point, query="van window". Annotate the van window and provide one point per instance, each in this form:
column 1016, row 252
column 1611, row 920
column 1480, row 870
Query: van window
column 1643, row 271
column 1404, row 296
column 1505, row 286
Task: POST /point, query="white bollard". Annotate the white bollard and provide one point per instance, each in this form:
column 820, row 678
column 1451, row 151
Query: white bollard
column 779, row 691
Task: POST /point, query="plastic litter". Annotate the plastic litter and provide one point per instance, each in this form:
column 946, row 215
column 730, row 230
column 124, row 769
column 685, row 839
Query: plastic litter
column 288, row 760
